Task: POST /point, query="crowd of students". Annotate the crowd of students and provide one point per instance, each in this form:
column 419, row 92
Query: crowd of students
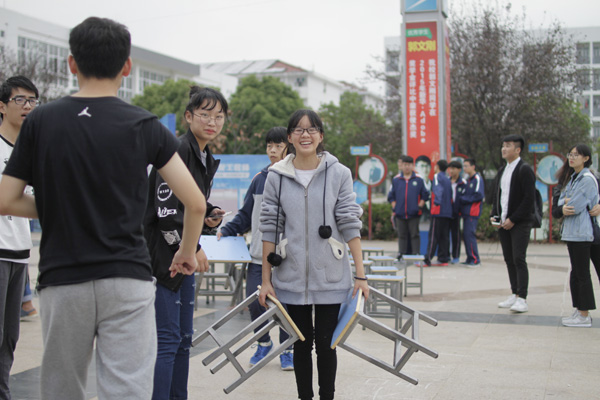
column 119, row 246
column 452, row 198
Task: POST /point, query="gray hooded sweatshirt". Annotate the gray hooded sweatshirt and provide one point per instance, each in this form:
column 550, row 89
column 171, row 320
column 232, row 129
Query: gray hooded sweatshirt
column 314, row 270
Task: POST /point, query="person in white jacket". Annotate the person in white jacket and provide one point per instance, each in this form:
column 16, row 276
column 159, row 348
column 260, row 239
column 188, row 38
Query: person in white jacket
column 309, row 212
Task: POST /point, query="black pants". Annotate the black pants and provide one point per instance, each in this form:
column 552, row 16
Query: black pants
column 514, row 247
column 455, row 236
column 408, row 229
column 326, row 318
column 595, row 257
column 582, row 292
column 439, row 231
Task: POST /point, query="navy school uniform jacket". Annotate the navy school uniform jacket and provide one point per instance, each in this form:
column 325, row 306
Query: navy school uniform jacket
column 470, row 201
column 441, row 196
column 407, row 194
column 461, row 184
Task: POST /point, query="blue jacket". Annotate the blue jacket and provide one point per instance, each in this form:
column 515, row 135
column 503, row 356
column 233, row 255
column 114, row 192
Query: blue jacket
column 461, row 184
column 248, row 217
column 470, row 201
column 441, row 196
column 407, row 193
column 582, row 190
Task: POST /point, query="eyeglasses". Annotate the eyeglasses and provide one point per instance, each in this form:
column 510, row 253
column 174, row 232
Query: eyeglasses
column 573, row 155
column 21, row 100
column 204, row 117
column 311, row 131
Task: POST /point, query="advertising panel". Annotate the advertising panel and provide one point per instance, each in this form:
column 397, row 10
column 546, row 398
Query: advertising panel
column 422, row 90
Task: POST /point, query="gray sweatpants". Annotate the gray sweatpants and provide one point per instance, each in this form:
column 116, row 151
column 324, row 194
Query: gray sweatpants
column 12, row 284
column 119, row 314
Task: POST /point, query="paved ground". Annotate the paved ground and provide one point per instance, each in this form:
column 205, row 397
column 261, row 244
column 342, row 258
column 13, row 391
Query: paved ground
column 484, row 352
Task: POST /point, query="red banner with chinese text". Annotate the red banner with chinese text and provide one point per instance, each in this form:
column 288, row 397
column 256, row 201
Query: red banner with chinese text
column 422, row 90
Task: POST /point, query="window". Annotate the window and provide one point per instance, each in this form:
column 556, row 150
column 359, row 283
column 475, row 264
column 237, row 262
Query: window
column 148, row 78
column 596, row 106
column 596, row 79
column 392, row 61
column 46, row 56
column 596, row 130
column 583, row 53
column 300, row 81
column 584, row 102
column 126, row 90
column 583, row 79
column 596, row 56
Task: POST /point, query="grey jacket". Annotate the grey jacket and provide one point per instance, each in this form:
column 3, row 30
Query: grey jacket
column 583, row 194
column 314, row 270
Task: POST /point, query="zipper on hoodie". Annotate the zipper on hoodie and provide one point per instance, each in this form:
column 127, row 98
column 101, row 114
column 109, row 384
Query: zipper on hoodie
column 306, row 240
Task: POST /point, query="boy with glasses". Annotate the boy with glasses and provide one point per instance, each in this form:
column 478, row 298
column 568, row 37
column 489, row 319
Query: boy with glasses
column 18, row 97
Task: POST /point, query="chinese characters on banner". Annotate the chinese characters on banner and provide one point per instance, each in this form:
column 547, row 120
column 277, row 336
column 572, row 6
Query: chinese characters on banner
column 422, row 99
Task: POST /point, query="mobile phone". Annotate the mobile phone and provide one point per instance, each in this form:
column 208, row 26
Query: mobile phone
column 495, row 220
column 214, row 216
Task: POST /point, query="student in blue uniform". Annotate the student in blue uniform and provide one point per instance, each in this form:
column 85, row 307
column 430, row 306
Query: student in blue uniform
column 470, row 210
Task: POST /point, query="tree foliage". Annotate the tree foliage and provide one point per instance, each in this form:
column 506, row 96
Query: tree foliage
column 352, row 123
column 507, row 79
column 35, row 67
column 170, row 97
column 256, row 106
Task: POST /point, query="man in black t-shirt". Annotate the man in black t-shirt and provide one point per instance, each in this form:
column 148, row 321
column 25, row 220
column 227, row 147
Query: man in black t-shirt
column 86, row 157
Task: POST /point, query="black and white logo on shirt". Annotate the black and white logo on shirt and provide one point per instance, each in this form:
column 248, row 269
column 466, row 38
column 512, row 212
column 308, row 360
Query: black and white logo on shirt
column 84, row 113
column 171, row 237
column 164, row 192
column 163, row 212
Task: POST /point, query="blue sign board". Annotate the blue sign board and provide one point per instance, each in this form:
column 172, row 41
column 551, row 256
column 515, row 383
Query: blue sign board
column 236, row 170
column 360, row 150
column 538, row 148
column 420, row 5
column 169, row 122
column 362, row 192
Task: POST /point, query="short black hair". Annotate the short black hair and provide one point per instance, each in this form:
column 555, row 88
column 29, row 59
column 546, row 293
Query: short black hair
column 406, row 159
column 442, row 165
column 100, row 47
column 212, row 98
column 277, row 134
column 516, row 139
column 455, row 164
column 423, row 158
column 470, row 161
column 16, row 82
column 315, row 121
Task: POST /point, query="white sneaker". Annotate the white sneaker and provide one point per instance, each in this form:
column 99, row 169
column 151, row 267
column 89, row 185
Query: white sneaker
column 575, row 313
column 520, row 305
column 578, row 321
column 508, row 302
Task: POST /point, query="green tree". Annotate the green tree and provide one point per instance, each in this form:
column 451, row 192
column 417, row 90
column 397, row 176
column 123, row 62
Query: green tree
column 508, row 79
column 170, row 97
column 256, row 106
column 353, row 123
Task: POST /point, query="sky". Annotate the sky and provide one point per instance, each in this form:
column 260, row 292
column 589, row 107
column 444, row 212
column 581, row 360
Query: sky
column 335, row 38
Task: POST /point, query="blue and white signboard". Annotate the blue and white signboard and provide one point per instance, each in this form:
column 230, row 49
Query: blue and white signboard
column 420, row 5
column 538, row 147
column 360, row 150
column 232, row 179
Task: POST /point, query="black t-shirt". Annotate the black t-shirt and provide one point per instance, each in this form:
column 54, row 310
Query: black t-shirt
column 87, row 159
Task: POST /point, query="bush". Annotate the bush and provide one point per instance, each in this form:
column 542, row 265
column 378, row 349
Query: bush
column 485, row 230
column 382, row 228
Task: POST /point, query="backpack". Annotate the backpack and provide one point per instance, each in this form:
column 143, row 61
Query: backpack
column 538, row 207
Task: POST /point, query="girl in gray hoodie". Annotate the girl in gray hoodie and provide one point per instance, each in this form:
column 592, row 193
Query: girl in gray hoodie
column 309, row 213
